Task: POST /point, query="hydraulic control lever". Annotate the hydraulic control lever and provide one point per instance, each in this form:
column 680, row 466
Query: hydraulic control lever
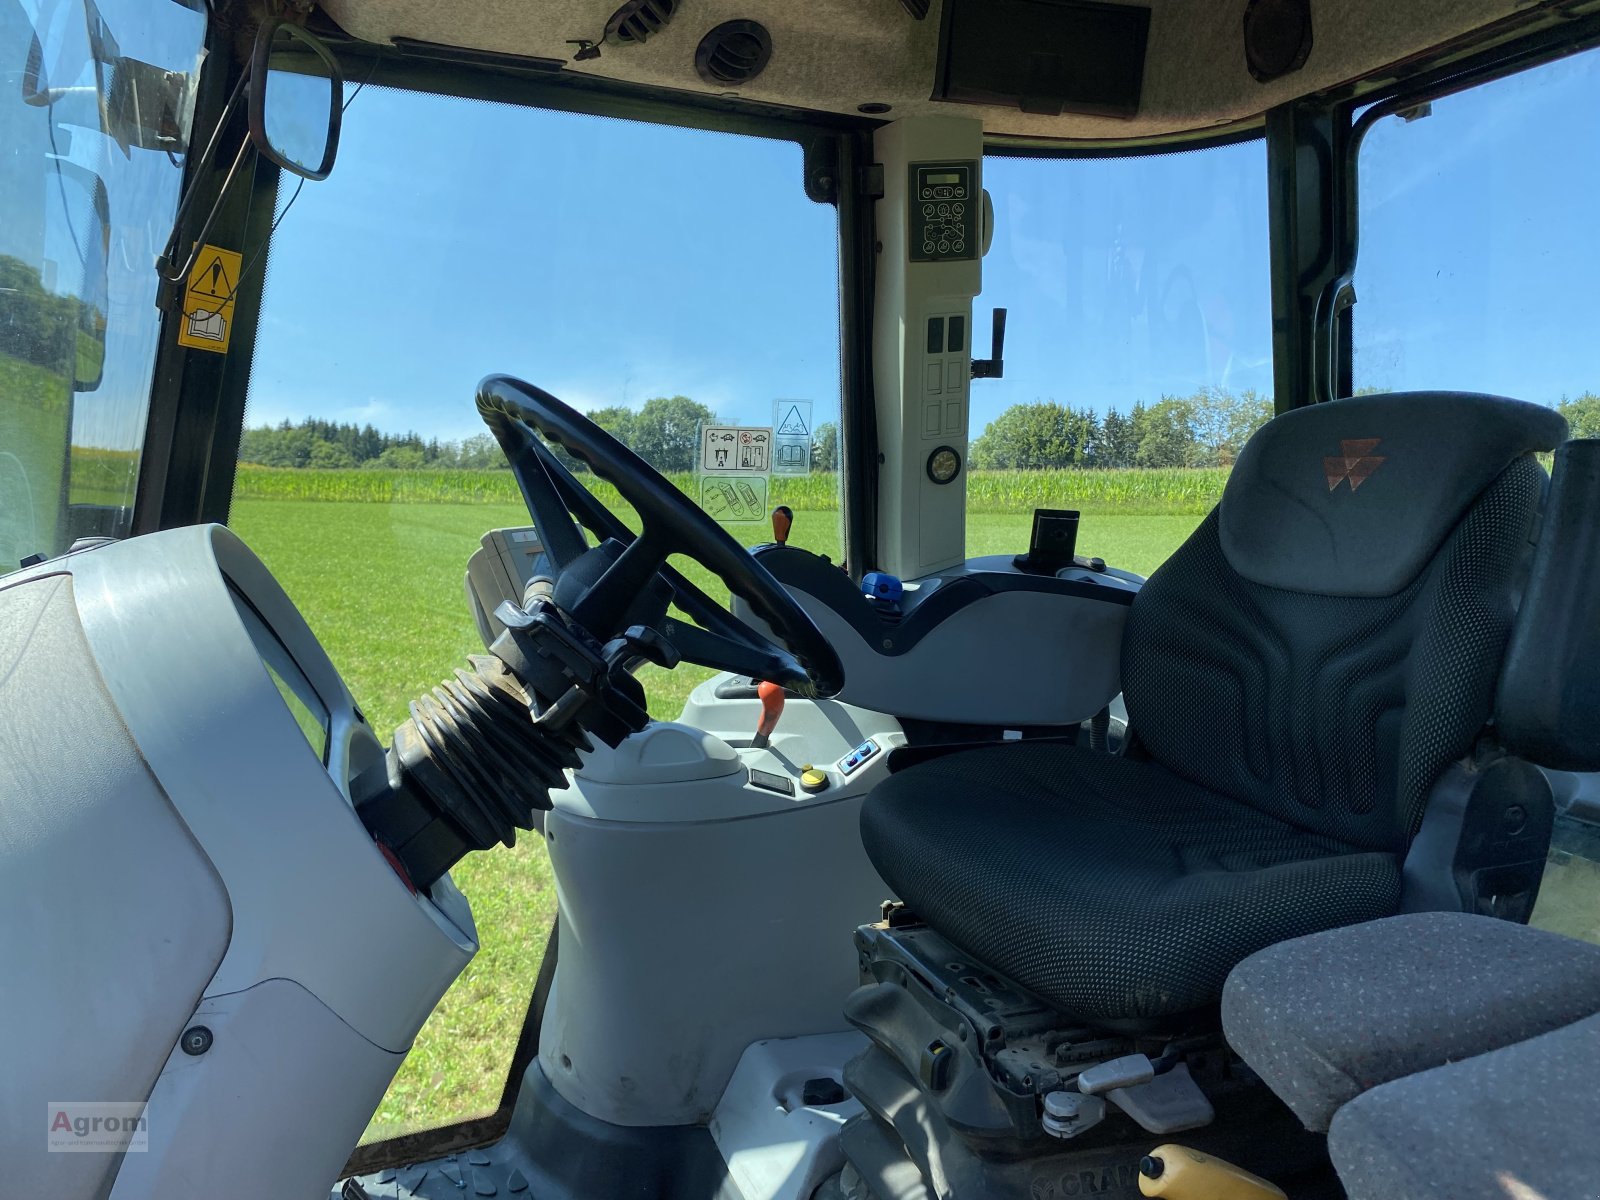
column 771, row 712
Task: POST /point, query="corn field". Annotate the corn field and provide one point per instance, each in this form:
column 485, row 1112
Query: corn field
column 1174, row 491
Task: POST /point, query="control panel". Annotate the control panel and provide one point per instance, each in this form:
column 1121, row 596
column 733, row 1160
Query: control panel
column 943, row 212
column 852, row 762
column 946, row 371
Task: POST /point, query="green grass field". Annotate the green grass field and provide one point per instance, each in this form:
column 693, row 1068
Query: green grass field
column 381, row 584
column 34, row 415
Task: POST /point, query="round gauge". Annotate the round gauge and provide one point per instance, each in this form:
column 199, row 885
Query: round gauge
column 944, row 464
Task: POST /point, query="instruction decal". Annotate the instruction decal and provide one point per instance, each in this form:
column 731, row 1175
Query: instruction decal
column 735, row 450
column 206, row 322
column 734, row 498
column 791, row 445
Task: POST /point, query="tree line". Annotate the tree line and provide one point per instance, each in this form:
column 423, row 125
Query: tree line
column 664, row 431
column 1207, row 429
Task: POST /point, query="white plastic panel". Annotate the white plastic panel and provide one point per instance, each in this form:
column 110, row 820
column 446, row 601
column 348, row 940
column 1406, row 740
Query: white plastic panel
column 270, row 1112
column 684, row 942
column 1010, row 658
column 922, row 386
column 111, row 919
column 776, row 1146
column 313, row 901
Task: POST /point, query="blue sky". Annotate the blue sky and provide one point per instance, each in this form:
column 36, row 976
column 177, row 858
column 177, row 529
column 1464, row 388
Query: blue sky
column 610, row 262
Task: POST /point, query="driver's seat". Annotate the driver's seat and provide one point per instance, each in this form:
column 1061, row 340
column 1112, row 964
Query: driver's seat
column 1299, row 676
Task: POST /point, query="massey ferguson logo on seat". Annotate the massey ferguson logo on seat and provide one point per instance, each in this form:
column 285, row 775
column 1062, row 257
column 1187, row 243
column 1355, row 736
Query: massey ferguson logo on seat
column 1356, row 463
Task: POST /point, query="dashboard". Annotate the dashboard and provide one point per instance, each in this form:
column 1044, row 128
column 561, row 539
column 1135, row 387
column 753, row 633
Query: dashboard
column 980, row 644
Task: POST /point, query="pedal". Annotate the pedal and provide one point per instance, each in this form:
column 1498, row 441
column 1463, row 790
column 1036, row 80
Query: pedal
column 1130, row 1070
column 1166, row 1104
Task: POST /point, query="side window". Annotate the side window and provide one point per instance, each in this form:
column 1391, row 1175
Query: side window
column 93, row 128
column 660, row 279
column 1138, row 345
column 1478, row 245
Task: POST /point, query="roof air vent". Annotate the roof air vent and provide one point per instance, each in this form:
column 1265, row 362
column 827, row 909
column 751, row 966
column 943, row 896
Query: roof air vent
column 733, row 53
column 1277, row 37
column 636, row 20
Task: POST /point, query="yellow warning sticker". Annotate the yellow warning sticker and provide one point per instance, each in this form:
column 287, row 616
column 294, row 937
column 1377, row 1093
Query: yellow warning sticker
column 207, row 319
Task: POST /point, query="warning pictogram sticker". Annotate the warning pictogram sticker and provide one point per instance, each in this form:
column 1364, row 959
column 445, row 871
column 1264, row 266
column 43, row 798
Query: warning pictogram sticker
column 206, row 322
column 793, row 418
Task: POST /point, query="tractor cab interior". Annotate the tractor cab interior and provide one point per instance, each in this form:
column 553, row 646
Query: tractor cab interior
column 856, row 790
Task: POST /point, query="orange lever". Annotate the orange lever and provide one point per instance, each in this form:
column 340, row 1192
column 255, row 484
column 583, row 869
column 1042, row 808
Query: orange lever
column 782, row 522
column 771, row 709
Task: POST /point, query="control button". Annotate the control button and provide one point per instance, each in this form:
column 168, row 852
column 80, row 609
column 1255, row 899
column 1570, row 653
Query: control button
column 959, row 246
column 812, row 780
column 927, row 247
column 935, row 378
column 944, row 246
column 858, row 756
column 958, row 209
column 944, row 210
column 955, row 342
column 961, row 193
column 928, row 210
column 781, row 784
column 927, row 193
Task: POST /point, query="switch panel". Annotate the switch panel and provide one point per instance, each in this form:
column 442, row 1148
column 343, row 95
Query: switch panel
column 944, row 208
column 853, row 761
column 946, row 370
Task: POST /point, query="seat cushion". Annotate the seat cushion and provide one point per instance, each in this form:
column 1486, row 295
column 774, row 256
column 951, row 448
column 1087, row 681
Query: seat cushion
column 1516, row 1124
column 1324, row 1018
column 1108, row 887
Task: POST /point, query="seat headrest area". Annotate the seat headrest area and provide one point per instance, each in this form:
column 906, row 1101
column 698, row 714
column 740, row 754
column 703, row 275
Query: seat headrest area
column 1353, row 497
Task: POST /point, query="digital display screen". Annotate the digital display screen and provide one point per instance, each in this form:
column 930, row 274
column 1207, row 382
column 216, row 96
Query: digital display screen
column 309, row 713
column 945, row 177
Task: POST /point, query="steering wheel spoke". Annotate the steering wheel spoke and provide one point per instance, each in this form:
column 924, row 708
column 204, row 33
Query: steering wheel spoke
column 559, row 533
column 723, row 653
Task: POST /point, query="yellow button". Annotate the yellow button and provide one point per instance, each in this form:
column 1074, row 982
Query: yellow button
column 812, row 780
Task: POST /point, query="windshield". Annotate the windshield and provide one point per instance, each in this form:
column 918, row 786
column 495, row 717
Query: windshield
column 1138, row 352
column 95, row 108
column 677, row 285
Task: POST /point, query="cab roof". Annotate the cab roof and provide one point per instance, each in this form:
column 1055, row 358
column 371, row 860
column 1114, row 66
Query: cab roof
column 834, row 56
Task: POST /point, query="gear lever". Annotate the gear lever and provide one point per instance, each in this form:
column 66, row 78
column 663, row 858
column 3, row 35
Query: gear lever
column 771, row 709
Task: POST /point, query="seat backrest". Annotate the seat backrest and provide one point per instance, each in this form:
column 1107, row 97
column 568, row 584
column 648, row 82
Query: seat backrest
column 1328, row 640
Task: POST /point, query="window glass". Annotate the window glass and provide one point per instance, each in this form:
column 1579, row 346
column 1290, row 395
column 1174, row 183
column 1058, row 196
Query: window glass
column 661, row 279
column 1478, row 243
column 1138, row 352
column 95, row 105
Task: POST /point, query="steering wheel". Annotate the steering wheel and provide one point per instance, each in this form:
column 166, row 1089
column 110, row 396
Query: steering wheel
column 608, row 586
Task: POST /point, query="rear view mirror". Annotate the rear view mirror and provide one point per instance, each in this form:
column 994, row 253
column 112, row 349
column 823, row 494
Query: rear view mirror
column 296, row 99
